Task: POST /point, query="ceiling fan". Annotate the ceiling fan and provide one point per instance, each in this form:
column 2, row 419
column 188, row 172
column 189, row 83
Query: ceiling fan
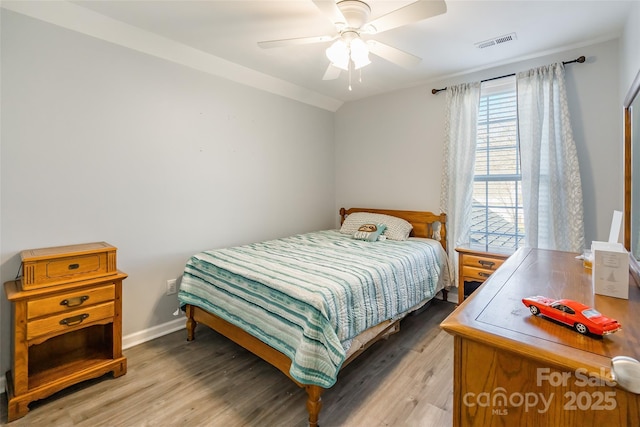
column 351, row 18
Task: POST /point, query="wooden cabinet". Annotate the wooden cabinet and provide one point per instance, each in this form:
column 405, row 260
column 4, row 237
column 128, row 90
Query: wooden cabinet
column 63, row 334
column 474, row 267
column 63, row 264
column 513, row 368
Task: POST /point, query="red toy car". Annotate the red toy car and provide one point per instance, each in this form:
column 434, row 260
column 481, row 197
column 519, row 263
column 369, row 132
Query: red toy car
column 582, row 318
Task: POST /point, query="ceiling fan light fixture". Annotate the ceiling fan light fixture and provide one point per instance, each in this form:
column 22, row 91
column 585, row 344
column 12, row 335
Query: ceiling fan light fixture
column 338, row 54
column 359, row 53
column 341, row 53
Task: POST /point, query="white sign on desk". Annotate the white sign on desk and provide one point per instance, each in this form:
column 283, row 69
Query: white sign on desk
column 610, row 269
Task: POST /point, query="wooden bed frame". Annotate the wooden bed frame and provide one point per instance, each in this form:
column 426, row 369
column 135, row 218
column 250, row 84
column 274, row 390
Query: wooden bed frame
column 422, row 227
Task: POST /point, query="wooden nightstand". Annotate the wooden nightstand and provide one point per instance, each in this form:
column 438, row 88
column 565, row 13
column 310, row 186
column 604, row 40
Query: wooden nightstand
column 64, row 332
column 474, row 267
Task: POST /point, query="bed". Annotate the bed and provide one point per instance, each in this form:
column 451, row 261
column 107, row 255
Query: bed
column 309, row 304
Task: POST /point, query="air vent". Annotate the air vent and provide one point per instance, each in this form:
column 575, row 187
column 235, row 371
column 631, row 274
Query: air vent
column 496, row 40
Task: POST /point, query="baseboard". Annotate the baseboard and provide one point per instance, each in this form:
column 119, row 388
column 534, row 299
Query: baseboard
column 135, row 338
column 453, row 295
column 154, row 332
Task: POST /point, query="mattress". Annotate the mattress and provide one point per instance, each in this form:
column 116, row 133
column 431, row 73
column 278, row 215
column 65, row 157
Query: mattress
column 309, row 295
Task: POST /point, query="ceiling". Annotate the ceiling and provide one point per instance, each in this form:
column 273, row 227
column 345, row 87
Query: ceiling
column 231, row 29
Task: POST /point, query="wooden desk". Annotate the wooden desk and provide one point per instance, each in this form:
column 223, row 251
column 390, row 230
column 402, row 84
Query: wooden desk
column 515, row 369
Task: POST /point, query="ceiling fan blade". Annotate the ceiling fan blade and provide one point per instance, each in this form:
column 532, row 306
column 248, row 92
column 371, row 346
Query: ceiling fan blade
column 393, row 54
column 329, row 8
column 409, row 14
column 332, row 73
column 296, row 41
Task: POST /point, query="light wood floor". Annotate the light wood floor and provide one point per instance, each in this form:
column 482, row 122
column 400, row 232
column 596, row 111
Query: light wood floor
column 404, row 381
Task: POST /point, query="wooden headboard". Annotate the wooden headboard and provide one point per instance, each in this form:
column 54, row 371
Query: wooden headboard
column 422, row 221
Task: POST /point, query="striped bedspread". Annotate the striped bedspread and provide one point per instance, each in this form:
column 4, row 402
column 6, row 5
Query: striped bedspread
column 309, row 295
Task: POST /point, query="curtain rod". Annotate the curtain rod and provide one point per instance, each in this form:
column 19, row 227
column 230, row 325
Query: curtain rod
column 580, row 60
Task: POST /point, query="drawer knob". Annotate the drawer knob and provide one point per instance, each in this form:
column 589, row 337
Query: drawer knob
column 74, row 266
column 74, row 302
column 75, row 320
column 483, row 274
column 626, row 372
column 487, row 264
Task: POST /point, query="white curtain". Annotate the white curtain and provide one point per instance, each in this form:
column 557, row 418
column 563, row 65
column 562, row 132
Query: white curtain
column 459, row 159
column 551, row 187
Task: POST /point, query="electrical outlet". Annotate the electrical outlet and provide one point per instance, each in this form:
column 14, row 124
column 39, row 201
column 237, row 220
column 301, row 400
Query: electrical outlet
column 171, row 287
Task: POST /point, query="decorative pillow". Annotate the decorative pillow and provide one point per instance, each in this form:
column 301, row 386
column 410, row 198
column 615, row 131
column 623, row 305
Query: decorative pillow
column 397, row 228
column 369, row 232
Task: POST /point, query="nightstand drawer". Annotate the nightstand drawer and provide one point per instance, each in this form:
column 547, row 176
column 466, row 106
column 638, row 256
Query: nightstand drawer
column 69, row 301
column 65, row 321
column 474, row 267
column 482, row 262
column 473, row 273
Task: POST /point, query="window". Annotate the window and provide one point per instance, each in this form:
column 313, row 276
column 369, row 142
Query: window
column 497, row 214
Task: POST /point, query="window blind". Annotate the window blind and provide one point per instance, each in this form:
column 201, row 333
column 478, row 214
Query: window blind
column 497, row 214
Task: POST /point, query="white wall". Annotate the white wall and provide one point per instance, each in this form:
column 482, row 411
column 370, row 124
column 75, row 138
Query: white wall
column 100, row 142
column 389, row 147
column 389, row 151
column 629, row 53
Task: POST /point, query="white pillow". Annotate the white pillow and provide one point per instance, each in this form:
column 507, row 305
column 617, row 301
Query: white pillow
column 397, row 228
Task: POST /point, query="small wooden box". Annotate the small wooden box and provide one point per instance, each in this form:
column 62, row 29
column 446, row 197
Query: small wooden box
column 63, row 264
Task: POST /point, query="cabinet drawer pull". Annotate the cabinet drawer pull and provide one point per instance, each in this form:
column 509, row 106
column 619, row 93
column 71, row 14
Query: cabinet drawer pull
column 483, row 274
column 75, row 320
column 74, row 302
column 74, row 266
column 485, row 263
